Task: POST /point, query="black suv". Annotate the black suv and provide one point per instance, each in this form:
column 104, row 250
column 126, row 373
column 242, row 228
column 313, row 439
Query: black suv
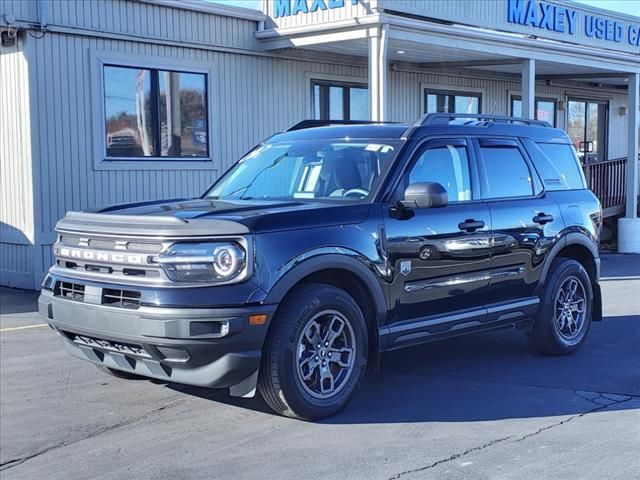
column 329, row 244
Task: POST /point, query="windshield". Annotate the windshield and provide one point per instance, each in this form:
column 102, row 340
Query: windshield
column 317, row 169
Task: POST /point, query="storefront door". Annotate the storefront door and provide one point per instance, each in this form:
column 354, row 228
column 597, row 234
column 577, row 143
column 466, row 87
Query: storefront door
column 587, row 127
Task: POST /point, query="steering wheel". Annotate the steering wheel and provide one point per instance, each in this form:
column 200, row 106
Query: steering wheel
column 357, row 191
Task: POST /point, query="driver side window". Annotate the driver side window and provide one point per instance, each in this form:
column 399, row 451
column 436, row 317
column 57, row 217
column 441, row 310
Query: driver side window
column 447, row 165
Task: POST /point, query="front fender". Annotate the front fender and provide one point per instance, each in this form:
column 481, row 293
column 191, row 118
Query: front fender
column 327, row 258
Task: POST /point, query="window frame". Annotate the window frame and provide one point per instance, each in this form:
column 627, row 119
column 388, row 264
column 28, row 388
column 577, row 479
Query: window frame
column 100, row 59
column 537, row 187
column 554, row 100
column 443, row 90
column 326, row 83
column 401, row 182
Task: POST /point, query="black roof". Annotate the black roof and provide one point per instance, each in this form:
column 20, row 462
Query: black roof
column 433, row 124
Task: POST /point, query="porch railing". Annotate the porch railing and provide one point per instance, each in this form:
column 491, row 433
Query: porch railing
column 607, row 181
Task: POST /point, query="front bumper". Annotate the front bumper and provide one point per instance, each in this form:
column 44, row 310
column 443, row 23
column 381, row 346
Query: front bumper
column 205, row 347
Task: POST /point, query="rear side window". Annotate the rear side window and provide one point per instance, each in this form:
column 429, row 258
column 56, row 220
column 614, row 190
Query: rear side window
column 507, row 172
column 559, row 167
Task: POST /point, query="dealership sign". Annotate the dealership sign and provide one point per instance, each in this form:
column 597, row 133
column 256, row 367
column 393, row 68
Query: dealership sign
column 562, row 19
column 286, row 8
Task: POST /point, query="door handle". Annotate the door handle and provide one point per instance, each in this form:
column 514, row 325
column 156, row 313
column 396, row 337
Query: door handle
column 471, row 225
column 543, row 218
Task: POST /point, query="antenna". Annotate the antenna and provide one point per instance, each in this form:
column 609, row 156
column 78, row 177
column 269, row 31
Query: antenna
column 493, row 109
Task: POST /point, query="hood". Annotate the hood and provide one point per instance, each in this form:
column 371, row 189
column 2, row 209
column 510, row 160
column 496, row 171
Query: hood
column 256, row 215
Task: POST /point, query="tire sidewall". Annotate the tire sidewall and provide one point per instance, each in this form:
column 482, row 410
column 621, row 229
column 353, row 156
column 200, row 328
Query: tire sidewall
column 300, row 401
column 565, row 269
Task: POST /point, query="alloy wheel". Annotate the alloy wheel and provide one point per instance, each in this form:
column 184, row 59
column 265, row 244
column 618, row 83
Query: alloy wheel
column 570, row 309
column 326, row 353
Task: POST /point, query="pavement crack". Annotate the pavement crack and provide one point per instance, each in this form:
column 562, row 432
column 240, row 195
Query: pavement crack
column 452, row 457
column 20, row 460
column 595, row 400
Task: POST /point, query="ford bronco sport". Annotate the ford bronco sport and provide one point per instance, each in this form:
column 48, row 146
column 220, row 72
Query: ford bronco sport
column 329, row 244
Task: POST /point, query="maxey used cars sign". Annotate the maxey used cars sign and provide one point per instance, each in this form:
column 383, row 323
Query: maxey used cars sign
column 562, row 19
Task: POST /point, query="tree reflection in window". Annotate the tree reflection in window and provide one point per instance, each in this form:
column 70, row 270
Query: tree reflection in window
column 155, row 113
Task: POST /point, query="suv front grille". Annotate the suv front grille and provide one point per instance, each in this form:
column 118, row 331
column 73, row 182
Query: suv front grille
column 109, row 296
column 72, row 291
column 111, row 259
column 121, row 298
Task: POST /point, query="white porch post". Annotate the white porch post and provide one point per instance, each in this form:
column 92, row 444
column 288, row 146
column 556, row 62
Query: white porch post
column 629, row 226
column 378, row 41
column 528, row 88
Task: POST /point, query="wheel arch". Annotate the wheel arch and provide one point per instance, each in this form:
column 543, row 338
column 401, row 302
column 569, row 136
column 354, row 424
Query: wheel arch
column 349, row 274
column 578, row 247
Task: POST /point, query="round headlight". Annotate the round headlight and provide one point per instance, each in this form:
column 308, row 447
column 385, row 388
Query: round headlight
column 226, row 260
column 203, row 262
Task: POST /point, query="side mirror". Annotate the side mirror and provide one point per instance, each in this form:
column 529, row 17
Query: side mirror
column 425, row 195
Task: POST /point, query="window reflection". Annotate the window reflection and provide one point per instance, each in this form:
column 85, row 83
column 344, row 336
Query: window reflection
column 452, row 102
column 129, row 126
column 545, row 109
column 340, row 101
column 155, row 113
column 182, row 115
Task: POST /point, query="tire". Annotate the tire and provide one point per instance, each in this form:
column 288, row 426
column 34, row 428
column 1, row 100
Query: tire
column 559, row 329
column 292, row 379
column 120, row 373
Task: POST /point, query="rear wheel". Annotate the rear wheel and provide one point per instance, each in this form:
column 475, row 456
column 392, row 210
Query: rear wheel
column 316, row 353
column 564, row 317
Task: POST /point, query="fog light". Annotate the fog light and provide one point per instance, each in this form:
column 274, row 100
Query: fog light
column 174, row 354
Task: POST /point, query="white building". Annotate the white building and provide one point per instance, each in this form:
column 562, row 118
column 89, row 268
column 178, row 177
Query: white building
column 114, row 101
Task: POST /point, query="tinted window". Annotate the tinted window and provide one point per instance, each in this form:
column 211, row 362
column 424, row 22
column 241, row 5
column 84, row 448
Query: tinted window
column 560, row 169
column 447, row 165
column 308, row 170
column 155, row 113
column 507, row 172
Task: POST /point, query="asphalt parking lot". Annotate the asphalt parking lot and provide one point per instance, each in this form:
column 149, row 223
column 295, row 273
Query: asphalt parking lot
column 479, row 407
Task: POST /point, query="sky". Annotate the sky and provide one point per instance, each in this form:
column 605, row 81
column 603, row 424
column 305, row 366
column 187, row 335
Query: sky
column 631, row 7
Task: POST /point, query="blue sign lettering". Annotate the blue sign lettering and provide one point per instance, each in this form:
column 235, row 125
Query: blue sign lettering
column 286, row 8
column 282, row 8
column 561, row 19
column 317, row 4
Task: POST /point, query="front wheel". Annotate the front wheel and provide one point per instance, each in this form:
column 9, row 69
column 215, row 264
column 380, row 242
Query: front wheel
column 316, row 353
column 564, row 317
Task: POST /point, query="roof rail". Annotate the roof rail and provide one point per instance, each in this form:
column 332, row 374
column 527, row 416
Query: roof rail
column 326, row 123
column 474, row 119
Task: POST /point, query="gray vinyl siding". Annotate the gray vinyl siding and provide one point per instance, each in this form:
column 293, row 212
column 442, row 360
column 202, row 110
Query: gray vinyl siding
column 16, row 188
column 143, row 20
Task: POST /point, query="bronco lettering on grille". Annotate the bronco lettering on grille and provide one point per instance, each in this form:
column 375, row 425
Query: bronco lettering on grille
column 99, row 256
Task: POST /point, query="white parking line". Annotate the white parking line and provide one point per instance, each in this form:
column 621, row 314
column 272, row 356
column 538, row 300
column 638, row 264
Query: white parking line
column 25, row 327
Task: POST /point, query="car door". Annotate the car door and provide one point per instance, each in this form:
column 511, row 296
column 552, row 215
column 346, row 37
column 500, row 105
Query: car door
column 525, row 221
column 439, row 257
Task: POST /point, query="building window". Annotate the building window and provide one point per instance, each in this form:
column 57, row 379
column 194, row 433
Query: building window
column 340, row 101
column 545, row 109
column 442, row 101
column 155, row 113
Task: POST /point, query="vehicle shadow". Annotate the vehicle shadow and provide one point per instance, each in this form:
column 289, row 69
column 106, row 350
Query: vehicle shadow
column 14, row 300
column 490, row 376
